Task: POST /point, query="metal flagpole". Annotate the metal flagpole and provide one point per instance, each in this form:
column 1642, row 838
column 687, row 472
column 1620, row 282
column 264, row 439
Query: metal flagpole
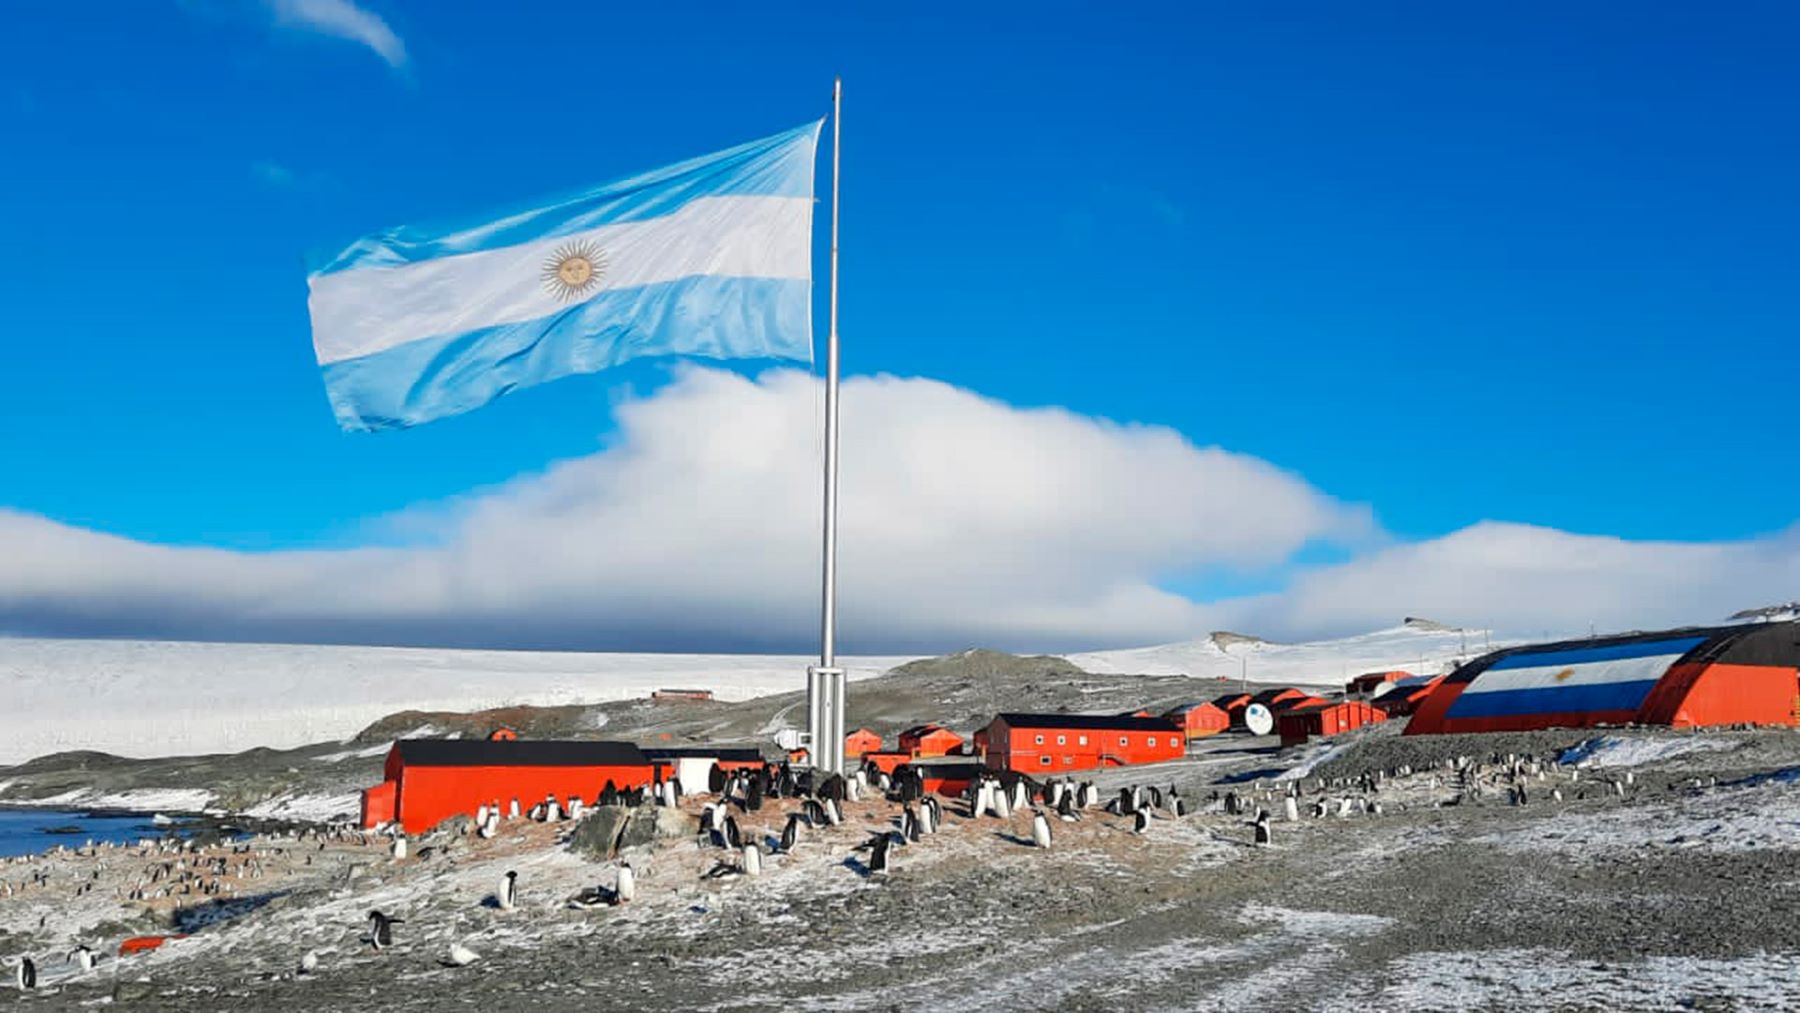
column 825, row 681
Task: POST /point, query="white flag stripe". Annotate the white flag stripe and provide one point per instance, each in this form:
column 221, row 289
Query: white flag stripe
column 1591, row 673
column 367, row 310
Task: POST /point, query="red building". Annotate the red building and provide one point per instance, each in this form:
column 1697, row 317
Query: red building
column 929, row 740
column 1298, row 723
column 1198, row 720
column 1404, row 697
column 428, row 781
column 1039, row 744
column 861, row 741
column 1233, row 705
column 1367, row 683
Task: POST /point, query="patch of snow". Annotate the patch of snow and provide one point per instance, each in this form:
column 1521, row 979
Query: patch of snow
column 149, row 800
column 1324, row 662
column 1617, row 751
column 307, row 808
column 355, row 754
column 1316, row 753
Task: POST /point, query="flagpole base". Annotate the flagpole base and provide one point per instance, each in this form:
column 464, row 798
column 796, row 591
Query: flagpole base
column 825, row 718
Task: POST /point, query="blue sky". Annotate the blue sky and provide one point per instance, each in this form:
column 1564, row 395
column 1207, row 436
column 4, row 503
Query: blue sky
column 1532, row 264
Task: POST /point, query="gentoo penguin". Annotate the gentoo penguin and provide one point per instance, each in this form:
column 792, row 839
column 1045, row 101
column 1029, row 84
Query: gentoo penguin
column 878, row 854
column 27, row 973
column 552, row 809
column 399, row 846
column 490, row 826
column 1177, row 806
column 1556, row 794
column 733, row 837
column 1262, row 826
column 853, row 789
column 1140, row 821
column 752, row 859
column 575, row 806
column 715, row 779
column 909, row 824
column 1065, row 807
column 1020, row 796
column 814, row 812
column 790, row 834
column 1290, row 807
column 1002, row 805
column 928, row 815
column 508, row 894
column 460, row 956
column 626, row 890
column 481, row 812
column 512, row 811
column 1090, row 795
column 309, row 961
column 1040, row 830
column 83, row 958
column 1127, row 804
column 381, row 929
column 833, row 814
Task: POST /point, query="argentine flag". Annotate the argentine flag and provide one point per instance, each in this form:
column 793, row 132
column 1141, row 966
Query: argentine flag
column 711, row 257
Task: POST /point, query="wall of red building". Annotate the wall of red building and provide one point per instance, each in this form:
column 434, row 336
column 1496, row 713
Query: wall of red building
column 1022, row 752
column 426, row 796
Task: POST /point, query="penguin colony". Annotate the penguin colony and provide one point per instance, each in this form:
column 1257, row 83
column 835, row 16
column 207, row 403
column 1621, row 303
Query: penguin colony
column 181, row 871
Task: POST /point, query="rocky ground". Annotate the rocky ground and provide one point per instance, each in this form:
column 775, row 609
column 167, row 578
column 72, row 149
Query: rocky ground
column 1664, row 877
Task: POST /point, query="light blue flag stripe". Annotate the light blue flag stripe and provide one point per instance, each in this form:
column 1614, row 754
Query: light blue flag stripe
column 711, row 258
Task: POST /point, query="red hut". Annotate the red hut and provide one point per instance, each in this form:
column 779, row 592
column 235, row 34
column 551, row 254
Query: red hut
column 430, row 780
column 929, row 740
column 1200, row 719
column 861, row 741
column 1404, row 697
column 1052, row 743
column 1367, row 683
column 1297, row 723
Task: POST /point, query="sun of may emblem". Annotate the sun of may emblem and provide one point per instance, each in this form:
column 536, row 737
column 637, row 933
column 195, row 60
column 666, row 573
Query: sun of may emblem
column 574, row 270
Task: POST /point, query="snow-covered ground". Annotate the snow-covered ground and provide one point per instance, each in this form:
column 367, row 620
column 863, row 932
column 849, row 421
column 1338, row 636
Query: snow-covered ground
column 1416, row 650
column 161, row 698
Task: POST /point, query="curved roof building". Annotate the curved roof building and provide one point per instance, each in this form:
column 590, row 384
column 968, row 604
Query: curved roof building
column 1685, row 678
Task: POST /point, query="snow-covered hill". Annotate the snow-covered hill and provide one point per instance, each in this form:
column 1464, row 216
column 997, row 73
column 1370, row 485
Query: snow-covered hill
column 1417, row 649
column 160, row 698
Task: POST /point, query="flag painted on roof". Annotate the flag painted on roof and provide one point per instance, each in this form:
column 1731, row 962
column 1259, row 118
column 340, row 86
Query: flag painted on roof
column 711, row 257
column 1612, row 679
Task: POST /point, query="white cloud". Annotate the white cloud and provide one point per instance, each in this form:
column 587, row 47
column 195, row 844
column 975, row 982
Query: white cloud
column 343, row 19
column 965, row 521
column 1531, row 580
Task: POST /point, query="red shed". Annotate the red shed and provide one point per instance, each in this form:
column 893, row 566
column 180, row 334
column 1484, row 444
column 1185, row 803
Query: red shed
column 1404, row 697
column 431, row 780
column 1274, row 697
column 1198, row 720
column 887, row 763
column 1052, row 743
column 1296, row 724
column 929, row 740
column 1368, row 681
column 861, row 741
column 1233, row 705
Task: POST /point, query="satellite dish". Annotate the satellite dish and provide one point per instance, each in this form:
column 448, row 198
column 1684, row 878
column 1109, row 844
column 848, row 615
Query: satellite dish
column 1259, row 719
column 790, row 739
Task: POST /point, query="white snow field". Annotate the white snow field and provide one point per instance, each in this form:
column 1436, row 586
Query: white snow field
column 1421, row 651
column 164, row 698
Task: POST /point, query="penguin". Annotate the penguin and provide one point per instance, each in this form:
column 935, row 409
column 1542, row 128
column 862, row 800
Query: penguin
column 733, row 838
column 508, row 894
column 460, row 956
column 552, row 809
column 753, row 795
column 626, row 890
column 1065, row 807
column 814, row 813
column 1140, row 821
column 1177, row 806
column 909, row 824
column 512, row 811
column 381, row 929
column 1020, row 796
column 715, row 779
column 978, row 799
column 790, row 834
column 26, row 974
column 1290, row 807
column 1126, row 808
column 853, row 789
column 878, row 856
column 833, row 814
column 1002, row 805
column 399, row 847
column 1090, row 795
column 752, row 859
column 1262, row 827
column 309, row 961
column 1556, row 795
column 575, row 807
column 1040, row 830
column 481, row 812
column 929, row 815
column 490, row 826
column 83, row 958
